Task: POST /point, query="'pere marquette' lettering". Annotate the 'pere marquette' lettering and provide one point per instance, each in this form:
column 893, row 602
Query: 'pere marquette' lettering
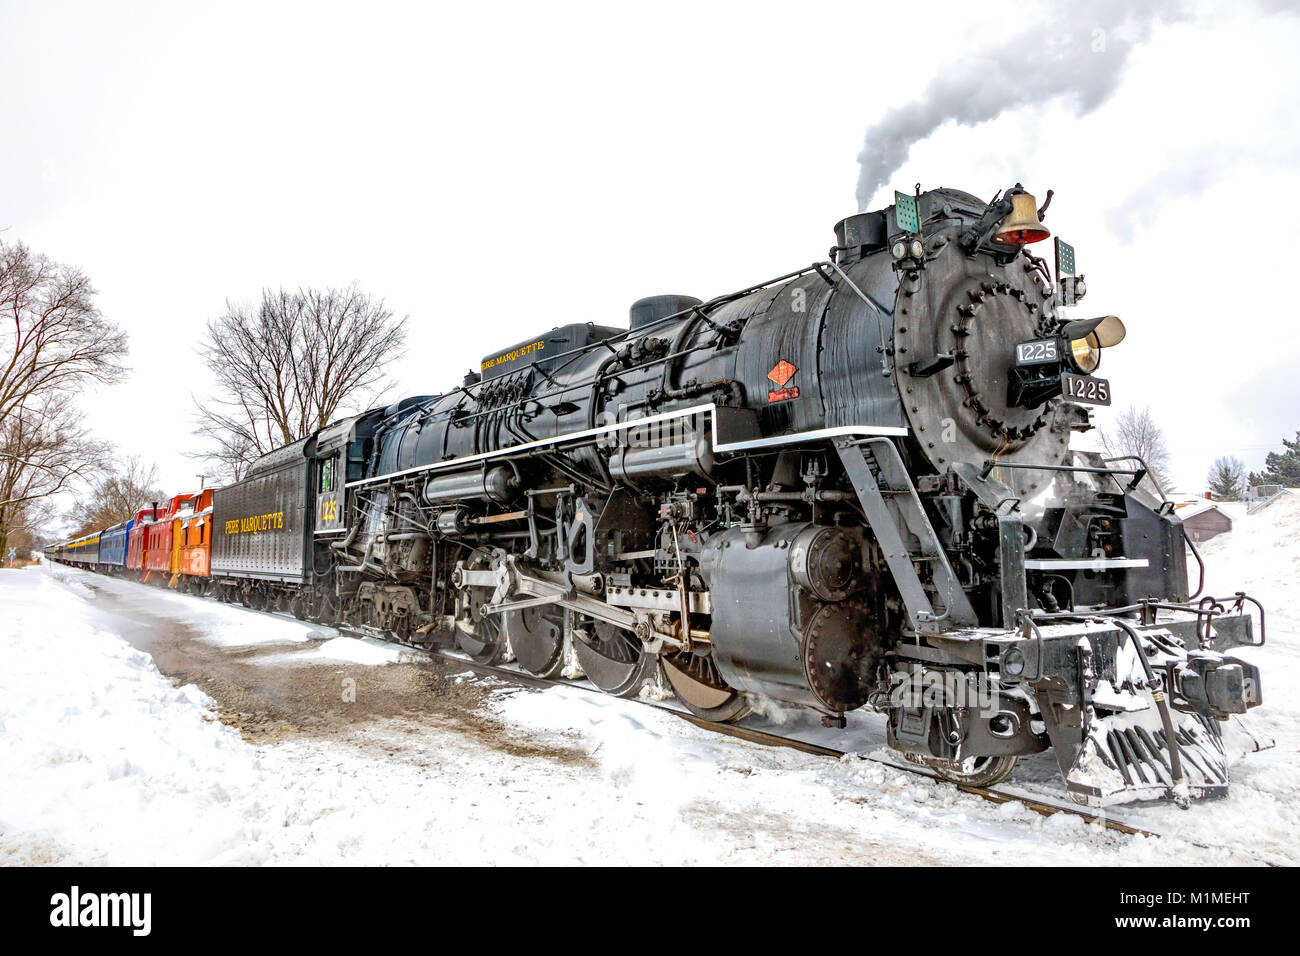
column 255, row 524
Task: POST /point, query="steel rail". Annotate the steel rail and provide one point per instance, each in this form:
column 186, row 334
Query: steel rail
column 1043, row 805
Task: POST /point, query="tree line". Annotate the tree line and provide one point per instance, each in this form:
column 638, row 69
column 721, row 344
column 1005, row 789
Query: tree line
column 1135, row 432
column 54, row 342
column 281, row 368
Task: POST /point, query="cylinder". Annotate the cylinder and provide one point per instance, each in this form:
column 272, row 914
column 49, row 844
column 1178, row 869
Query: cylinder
column 824, row 559
column 806, row 651
column 453, row 521
column 497, row 484
column 667, row 461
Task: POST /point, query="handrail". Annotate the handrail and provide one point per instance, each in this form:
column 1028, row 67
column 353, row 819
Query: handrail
column 1259, row 505
column 1146, row 468
column 1137, row 473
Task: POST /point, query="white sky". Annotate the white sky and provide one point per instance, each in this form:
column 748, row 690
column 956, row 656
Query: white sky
column 496, row 171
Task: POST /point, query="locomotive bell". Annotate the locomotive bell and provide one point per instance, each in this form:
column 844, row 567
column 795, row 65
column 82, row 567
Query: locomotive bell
column 1022, row 224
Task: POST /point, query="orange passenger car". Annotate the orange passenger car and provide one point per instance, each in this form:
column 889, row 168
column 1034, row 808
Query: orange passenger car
column 162, row 547
column 193, row 538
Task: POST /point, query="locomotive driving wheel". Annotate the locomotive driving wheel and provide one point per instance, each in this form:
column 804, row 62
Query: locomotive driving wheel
column 974, row 771
column 700, row 687
column 612, row 658
column 536, row 636
column 477, row 634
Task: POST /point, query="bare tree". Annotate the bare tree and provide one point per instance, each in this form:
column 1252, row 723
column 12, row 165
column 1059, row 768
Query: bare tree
column 53, row 341
column 23, row 534
column 126, row 486
column 53, row 336
column 288, row 366
column 44, row 450
column 1136, row 433
column 1227, row 478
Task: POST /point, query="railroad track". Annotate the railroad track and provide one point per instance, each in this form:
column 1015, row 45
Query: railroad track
column 1040, row 804
column 1043, row 804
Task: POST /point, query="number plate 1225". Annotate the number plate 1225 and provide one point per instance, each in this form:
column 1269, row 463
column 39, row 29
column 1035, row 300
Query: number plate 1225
column 1085, row 388
column 1038, row 352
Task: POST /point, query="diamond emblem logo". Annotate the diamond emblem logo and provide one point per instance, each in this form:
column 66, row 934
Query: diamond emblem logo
column 782, row 372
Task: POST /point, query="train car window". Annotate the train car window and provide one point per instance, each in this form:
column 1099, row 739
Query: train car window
column 327, row 475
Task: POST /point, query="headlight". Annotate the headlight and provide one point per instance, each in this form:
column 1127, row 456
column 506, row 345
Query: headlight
column 899, row 249
column 1083, row 339
column 917, row 248
column 1013, row 662
column 1084, row 355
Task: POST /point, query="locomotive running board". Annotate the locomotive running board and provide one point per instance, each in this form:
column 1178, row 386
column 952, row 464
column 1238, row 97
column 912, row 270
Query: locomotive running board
column 893, row 509
column 738, row 421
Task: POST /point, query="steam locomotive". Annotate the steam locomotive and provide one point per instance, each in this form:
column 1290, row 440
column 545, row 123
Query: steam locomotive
column 852, row 485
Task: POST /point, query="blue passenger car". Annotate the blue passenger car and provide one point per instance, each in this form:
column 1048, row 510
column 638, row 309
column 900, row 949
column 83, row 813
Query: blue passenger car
column 112, row 546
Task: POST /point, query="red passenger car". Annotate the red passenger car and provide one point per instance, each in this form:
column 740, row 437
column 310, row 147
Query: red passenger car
column 137, row 541
column 161, row 551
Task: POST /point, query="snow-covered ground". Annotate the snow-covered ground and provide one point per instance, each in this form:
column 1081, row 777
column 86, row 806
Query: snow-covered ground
column 105, row 760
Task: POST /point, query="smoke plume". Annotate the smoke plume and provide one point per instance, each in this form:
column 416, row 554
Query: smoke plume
column 1078, row 54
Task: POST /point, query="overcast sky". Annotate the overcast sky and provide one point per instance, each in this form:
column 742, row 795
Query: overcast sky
column 496, row 171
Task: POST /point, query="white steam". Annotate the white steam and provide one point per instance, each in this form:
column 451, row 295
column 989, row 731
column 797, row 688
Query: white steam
column 1077, row 55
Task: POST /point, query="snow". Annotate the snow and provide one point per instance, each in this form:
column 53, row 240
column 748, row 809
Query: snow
column 1261, row 555
column 1192, row 508
column 226, row 625
column 106, row 761
column 367, row 651
column 103, row 756
column 362, row 651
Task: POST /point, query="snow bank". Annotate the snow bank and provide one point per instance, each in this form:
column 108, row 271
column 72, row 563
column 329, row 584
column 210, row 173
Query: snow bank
column 228, row 625
column 365, row 651
column 1260, row 555
column 718, row 799
column 105, row 760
